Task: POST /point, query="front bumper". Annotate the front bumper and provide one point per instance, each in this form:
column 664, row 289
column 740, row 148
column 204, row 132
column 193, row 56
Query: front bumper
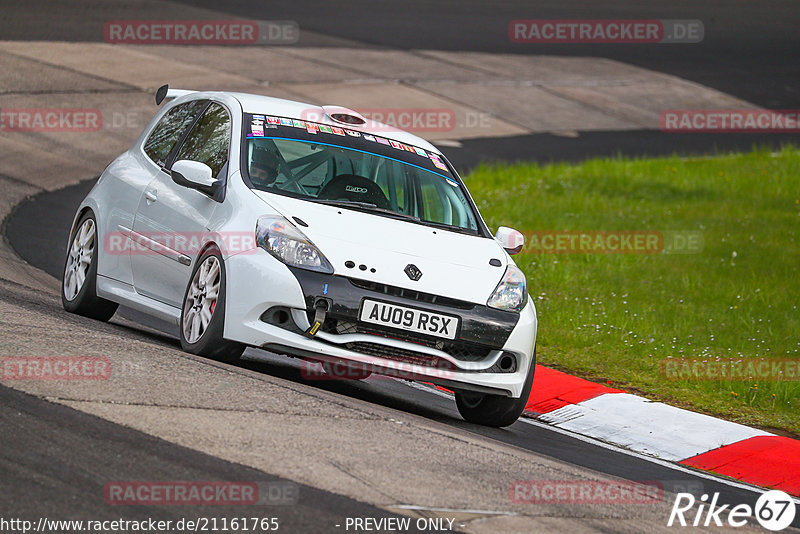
column 258, row 282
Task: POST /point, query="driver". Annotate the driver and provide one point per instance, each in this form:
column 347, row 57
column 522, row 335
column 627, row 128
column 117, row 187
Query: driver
column 263, row 167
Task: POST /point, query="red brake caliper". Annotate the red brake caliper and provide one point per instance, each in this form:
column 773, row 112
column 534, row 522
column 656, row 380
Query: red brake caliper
column 213, row 305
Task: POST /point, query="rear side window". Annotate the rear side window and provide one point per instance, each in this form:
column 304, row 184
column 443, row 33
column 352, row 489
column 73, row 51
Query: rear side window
column 209, row 139
column 169, row 130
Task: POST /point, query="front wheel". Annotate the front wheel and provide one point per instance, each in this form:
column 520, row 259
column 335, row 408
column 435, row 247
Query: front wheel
column 494, row 410
column 203, row 313
column 79, row 284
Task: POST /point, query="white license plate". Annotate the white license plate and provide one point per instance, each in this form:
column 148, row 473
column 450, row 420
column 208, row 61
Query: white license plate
column 409, row 319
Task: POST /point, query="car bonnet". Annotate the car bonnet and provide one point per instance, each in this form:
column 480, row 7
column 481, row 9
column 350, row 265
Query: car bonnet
column 381, row 248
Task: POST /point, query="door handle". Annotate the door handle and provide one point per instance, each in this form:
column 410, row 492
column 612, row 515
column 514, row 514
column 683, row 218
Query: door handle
column 150, row 196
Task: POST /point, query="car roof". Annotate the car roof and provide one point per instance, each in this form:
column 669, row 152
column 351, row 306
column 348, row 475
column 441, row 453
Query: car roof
column 298, row 110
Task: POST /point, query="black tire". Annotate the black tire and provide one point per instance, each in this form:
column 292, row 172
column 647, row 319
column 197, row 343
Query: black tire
column 494, row 410
column 210, row 344
column 85, row 302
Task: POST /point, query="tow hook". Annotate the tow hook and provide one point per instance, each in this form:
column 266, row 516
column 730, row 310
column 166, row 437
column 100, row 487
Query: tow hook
column 321, row 308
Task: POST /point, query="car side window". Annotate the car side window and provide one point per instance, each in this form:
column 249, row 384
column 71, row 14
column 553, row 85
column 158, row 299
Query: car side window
column 209, row 139
column 169, row 130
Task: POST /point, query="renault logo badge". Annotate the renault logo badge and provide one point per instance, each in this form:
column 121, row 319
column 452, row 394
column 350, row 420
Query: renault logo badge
column 413, row 272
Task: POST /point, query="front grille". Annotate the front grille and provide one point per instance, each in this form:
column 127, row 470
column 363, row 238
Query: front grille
column 400, row 355
column 460, row 350
column 341, row 326
column 411, row 294
column 424, row 360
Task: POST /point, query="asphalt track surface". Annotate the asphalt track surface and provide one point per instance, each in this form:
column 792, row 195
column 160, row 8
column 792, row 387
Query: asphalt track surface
column 78, row 454
column 44, row 250
column 749, row 51
column 749, row 48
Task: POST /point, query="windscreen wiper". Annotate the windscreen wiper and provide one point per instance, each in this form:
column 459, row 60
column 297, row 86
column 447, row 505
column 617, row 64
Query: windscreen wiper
column 452, row 228
column 368, row 206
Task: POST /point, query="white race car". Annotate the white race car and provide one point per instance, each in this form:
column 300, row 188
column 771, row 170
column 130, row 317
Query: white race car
column 311, row 232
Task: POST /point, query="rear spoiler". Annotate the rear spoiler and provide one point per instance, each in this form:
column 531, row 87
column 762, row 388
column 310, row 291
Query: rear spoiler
column 165, row 93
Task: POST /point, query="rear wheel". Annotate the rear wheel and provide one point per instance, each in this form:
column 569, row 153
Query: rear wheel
column 79, row 284
column 203, row 313
column 494, row 410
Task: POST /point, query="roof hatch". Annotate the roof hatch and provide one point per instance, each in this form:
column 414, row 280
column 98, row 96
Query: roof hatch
column 344, row 115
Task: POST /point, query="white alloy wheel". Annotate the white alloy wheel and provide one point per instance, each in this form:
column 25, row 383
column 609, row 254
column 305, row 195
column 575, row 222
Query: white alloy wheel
column 201, row 299
column 79, row 259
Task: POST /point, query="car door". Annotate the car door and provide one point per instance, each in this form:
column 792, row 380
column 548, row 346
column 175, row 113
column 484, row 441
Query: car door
column 131, row 176
column 171, row 221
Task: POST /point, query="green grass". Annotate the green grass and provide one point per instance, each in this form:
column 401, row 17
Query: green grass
column 616, row 317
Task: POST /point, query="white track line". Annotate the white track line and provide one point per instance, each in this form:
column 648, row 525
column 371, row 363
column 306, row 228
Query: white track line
column 598, row 443
column 663, row 463
column 415, row 507
column 648, row 427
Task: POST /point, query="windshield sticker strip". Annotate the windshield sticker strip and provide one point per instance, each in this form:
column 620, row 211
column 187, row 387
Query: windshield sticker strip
column 257, row 130
column 437, row 162
column 257, row 127
column 450, row 180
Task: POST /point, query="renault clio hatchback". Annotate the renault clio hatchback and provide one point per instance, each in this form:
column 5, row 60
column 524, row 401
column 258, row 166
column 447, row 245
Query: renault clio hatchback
column 311, row 232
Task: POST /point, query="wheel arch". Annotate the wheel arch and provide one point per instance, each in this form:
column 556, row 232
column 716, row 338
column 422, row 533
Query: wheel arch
column 208, row 246
column 88, row 204
column 78, row 216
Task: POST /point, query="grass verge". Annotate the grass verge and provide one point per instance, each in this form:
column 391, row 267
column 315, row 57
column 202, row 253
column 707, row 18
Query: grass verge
column 636, row 319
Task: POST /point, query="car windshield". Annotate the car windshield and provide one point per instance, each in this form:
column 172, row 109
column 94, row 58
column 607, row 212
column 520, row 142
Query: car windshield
column 357, row 171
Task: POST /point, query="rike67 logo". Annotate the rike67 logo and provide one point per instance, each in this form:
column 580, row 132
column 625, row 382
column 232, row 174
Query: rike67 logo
column 774, row 510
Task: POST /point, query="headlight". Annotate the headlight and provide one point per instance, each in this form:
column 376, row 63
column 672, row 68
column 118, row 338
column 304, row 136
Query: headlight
column 283, row 240
column 511, row 293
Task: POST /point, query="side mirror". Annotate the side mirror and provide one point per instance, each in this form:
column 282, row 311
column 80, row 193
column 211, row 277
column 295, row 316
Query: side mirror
column 195, row 175
column 510, row 239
